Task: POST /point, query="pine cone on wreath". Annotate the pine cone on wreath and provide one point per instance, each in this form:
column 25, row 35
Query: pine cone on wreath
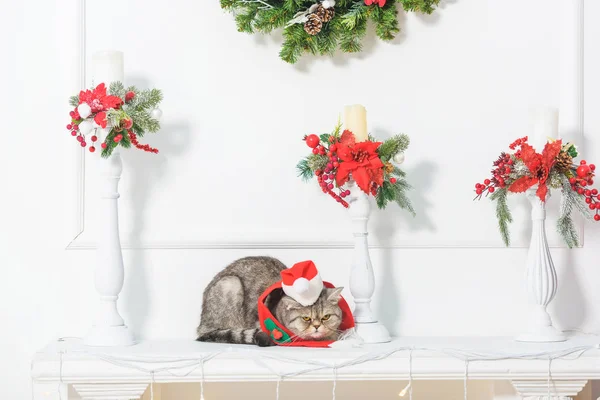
column 564, row 161
column 314, row 24
column 326, row 14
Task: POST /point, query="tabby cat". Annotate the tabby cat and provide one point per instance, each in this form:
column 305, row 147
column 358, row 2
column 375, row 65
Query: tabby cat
column 230, row 306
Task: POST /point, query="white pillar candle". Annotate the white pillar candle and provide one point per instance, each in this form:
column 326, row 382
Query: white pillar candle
column 545, row 127
column 355, row 120
column 107, row 67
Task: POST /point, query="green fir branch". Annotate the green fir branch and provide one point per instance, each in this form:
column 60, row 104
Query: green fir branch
column 74, row 101
column 110, row 144
column 400, row 188
column 570, row 200
column 355, row 29
column 317, row 161
column 337, row 130
column 117, row 89
column 294, row 43
column 345, row 31
column 398, row 172
column 393, row 146
column 395, row 192
column 503, row 213
column 423, row 6
column 386, row 21
column 304, row 170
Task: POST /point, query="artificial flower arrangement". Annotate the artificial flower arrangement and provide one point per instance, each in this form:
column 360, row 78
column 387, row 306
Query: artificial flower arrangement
column 128, row 113
column 554, row 168
column 338, row 158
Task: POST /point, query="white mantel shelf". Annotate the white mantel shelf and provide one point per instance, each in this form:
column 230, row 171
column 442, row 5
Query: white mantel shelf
column 81, row 364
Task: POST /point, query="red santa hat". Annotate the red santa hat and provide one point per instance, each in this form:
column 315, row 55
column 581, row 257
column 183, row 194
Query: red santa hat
column 302, row 283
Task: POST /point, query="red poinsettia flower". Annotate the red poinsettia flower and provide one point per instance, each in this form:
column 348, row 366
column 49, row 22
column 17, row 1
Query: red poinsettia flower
column 100, row 119
column 381, row 3
column 361, row 160
column 98, row 100
column 539, row 166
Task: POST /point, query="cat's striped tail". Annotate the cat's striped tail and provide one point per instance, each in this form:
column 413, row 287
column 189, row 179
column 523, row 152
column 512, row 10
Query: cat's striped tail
column 235, row 336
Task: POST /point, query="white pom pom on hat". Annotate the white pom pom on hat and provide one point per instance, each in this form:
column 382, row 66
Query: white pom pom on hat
column 302, row 283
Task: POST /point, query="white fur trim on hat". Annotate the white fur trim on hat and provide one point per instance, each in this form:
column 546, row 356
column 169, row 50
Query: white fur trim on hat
column 305, row 291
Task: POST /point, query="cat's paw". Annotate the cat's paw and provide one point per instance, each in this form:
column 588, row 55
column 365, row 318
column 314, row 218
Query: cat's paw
column 263, row 340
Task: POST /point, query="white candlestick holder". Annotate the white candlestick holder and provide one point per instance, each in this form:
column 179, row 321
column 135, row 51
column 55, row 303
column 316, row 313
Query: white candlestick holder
column 362, row 278
column 109, row 328
column 542, row 281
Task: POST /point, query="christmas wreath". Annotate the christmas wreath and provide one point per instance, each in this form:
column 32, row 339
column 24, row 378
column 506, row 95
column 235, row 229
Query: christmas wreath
column 338, row 158
column 320, row 28
column 554, row 168
column 119, row 110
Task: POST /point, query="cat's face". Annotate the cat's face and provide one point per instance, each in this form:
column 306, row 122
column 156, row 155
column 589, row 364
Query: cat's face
column 321, row 321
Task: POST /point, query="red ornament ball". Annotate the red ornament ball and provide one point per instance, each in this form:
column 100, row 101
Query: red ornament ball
column 592, row 167
column 312, row 141
column 83, row 143
column 94, row 138
column 487, row 182
column 92, row 149
column 315, row 151
column 129, row 96
column 118, row 138
column 69, row 126
column 103, row 145
column 572, row 181
column 597, row 217
column 491, row 189
column 393, row 180
column 73, row 133
column 583, row 170
column 582, row 162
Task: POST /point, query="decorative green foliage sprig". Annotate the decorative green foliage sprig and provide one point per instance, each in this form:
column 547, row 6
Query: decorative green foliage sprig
column 322, row 26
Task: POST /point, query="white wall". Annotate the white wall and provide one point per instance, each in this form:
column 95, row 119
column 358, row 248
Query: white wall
column 461, row 79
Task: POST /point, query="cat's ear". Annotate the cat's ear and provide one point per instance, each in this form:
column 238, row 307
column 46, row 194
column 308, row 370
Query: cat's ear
column 334, row 295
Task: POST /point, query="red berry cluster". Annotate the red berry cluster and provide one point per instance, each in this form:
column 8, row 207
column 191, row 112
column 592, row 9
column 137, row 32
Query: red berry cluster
column 518, row 143
column 134, row 141
column 73, row 127
column 326, row 177
column 579, row 183
column 500, row 174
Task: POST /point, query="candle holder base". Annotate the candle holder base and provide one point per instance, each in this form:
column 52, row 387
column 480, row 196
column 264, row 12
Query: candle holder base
column 372, row 332
column 545, row 335
column 108, row 336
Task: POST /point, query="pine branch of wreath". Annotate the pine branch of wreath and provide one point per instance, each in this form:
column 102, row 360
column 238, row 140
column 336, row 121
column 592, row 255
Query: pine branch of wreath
column 311, row 27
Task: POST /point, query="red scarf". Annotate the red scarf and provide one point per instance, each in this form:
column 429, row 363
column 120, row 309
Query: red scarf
column 281, row 336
